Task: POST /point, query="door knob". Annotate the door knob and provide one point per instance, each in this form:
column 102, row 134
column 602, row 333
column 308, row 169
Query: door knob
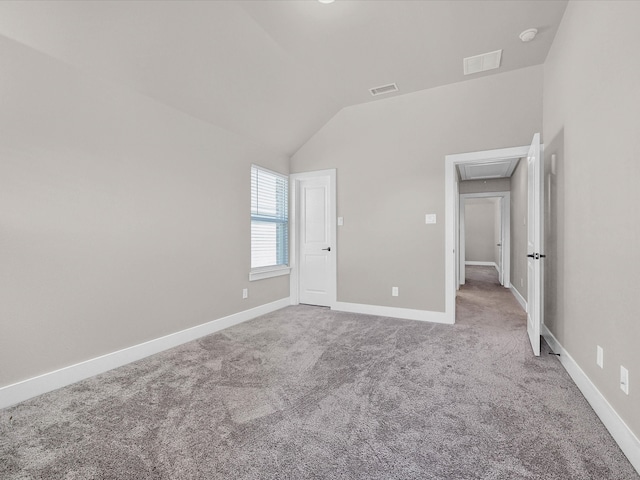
column 498, row 244
column 328, row 249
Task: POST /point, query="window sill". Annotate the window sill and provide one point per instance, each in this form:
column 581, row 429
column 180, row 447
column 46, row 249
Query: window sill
column 268, row 272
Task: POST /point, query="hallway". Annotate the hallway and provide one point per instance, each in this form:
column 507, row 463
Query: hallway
column 483, row 301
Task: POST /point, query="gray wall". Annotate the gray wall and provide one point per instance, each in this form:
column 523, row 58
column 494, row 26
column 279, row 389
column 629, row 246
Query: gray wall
column 480, row 217
column 519, row 202
column 122, row 220
column 389, row 156
column 591, row 123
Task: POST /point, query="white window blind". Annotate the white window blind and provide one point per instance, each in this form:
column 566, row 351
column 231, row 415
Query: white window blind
column 269, row 218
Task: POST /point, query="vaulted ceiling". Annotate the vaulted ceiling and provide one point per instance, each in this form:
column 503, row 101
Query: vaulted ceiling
column 276, row 71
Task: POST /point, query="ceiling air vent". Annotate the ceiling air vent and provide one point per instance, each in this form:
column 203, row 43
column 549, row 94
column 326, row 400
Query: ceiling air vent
column 502, row 168
column 481, row 63
column 392, row 87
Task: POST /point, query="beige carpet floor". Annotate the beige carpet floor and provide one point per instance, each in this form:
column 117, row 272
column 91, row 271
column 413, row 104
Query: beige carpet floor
column 308, row 393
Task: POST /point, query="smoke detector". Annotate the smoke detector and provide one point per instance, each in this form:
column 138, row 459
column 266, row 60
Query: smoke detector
column 529, row 34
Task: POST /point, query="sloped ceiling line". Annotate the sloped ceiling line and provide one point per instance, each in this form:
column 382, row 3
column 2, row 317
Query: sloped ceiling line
column 276, row 72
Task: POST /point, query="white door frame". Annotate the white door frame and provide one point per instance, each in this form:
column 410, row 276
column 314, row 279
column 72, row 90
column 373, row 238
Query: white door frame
column 451, row 226
column 294, row 250
column 505, row 220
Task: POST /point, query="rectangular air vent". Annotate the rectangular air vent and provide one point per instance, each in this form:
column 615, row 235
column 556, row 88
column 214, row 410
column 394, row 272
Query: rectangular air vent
column 480, row 171
column 482, row 63
column 392, row 87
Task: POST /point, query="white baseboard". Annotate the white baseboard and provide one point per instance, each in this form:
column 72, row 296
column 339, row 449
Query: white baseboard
column 619, row 430
column 394, row 312
column 32, row 387
column 519, row 298
column 482, row 264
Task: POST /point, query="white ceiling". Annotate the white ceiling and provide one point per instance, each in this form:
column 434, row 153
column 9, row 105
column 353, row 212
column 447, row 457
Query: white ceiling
column 276, row 71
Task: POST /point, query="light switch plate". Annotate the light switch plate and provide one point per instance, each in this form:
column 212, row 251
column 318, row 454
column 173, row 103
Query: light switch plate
column 624, row 379
column 340, row 221
column 599, row 356
column 430, row 218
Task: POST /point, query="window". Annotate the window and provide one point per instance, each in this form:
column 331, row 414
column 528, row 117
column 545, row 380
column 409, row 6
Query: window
column 269, row 224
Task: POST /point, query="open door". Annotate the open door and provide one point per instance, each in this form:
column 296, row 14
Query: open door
column 456, row 248
column 499, row 237
column 535, row 237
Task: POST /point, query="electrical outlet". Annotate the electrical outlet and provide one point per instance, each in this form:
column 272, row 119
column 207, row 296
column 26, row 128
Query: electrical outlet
column 394, row 291
column 245, row 293
column 624, row 380
column 599, row 356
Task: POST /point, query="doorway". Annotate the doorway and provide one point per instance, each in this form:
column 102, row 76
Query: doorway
column 532, row 153
column 492, row 242
column 313, row 238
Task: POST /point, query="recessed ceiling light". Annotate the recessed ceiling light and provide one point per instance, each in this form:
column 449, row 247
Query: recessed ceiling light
column 326, row 1
column 529, row 34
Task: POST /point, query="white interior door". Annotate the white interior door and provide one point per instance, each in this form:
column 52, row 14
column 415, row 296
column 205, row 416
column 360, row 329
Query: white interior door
column 456, row 248
column 534, row 243
column 316, row 241
column 499, row 236
column 462, row 247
